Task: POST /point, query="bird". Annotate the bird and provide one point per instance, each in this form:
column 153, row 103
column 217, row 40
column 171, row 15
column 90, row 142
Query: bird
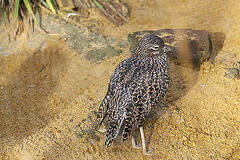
column 137, row 84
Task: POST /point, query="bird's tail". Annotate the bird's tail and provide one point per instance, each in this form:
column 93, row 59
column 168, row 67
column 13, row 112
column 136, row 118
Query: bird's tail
column 102, row 113
column 113, row 130
column 131, row 121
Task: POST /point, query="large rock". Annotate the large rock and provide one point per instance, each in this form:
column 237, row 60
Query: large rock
column 91, row 46
column 190, row 47
column 65, row 5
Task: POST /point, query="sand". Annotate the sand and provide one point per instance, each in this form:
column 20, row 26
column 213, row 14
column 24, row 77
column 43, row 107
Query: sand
column 49, row 94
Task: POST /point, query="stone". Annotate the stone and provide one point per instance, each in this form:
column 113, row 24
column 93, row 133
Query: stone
column 190, row 47
column 79, row 3
column 65, row 5
column 100, row 54
column 231, row 73
column 92, row 46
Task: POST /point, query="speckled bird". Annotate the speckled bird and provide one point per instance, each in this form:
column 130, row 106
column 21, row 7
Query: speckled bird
column 136, row 85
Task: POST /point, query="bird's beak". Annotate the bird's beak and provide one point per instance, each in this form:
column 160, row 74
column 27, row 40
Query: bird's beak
column 167, row 49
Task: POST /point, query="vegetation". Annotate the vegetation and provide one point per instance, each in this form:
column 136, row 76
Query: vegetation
column 18, row 10
column 23, row 8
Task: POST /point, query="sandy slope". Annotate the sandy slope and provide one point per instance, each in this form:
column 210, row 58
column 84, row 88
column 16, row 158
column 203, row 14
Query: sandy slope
column 49, row 95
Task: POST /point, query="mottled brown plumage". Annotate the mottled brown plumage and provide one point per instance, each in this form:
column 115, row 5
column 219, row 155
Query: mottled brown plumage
column 137, row 84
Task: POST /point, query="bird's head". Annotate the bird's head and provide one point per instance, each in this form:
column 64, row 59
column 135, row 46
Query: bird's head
column 149, row 46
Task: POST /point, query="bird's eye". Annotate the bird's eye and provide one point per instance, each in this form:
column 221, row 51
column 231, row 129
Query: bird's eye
column 155, row 48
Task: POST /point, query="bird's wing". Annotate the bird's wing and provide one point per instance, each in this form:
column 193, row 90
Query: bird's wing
column 147, row 88
column 137, row 109
column 125, row 86
column 117, row 114
column 117, row 97
column 119, row 76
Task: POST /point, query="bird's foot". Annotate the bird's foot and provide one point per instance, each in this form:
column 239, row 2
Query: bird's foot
column 137, row 146
column 148, row 153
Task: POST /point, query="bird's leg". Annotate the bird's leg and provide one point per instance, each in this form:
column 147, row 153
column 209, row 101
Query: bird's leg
column 134, row 143
column 144, row 144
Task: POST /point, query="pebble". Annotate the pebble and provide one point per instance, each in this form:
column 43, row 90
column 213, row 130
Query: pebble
column 231, row 73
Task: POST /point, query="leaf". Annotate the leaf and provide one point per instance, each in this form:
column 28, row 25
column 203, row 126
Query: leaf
column 27, row 4
column 44, row 3
column 5, row 15
column 101, row 8
column 16, row 8
column 51, row 6
column 98, row 5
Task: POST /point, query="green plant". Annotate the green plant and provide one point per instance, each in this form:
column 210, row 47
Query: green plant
column 23, row 8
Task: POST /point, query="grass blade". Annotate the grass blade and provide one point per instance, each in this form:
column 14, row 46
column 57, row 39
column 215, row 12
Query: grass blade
column 8, row 23
column 98, row 5
column 5, row 15
column 51, row 6
column 27, row 4
column 16, row 7
column 44, row 3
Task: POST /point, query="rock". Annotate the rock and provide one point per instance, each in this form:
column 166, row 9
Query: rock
column 190, row 47
column 65, row 5
column 79, row 3
column 92, row 46
column 100, row 54
column 231, row 73
column 89, row 45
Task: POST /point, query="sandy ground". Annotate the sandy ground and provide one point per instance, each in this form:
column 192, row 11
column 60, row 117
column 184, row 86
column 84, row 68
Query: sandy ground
column 48, row 94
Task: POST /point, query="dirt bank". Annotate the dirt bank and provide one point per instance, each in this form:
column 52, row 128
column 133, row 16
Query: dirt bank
column 48, row 93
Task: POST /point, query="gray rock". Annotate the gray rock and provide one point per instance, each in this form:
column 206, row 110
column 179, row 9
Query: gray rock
column 231, row 73
column 89, row 45
column 79, row 3
column 101, row 53
column 92, row 46
column 190, row 47
column 65, row 5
